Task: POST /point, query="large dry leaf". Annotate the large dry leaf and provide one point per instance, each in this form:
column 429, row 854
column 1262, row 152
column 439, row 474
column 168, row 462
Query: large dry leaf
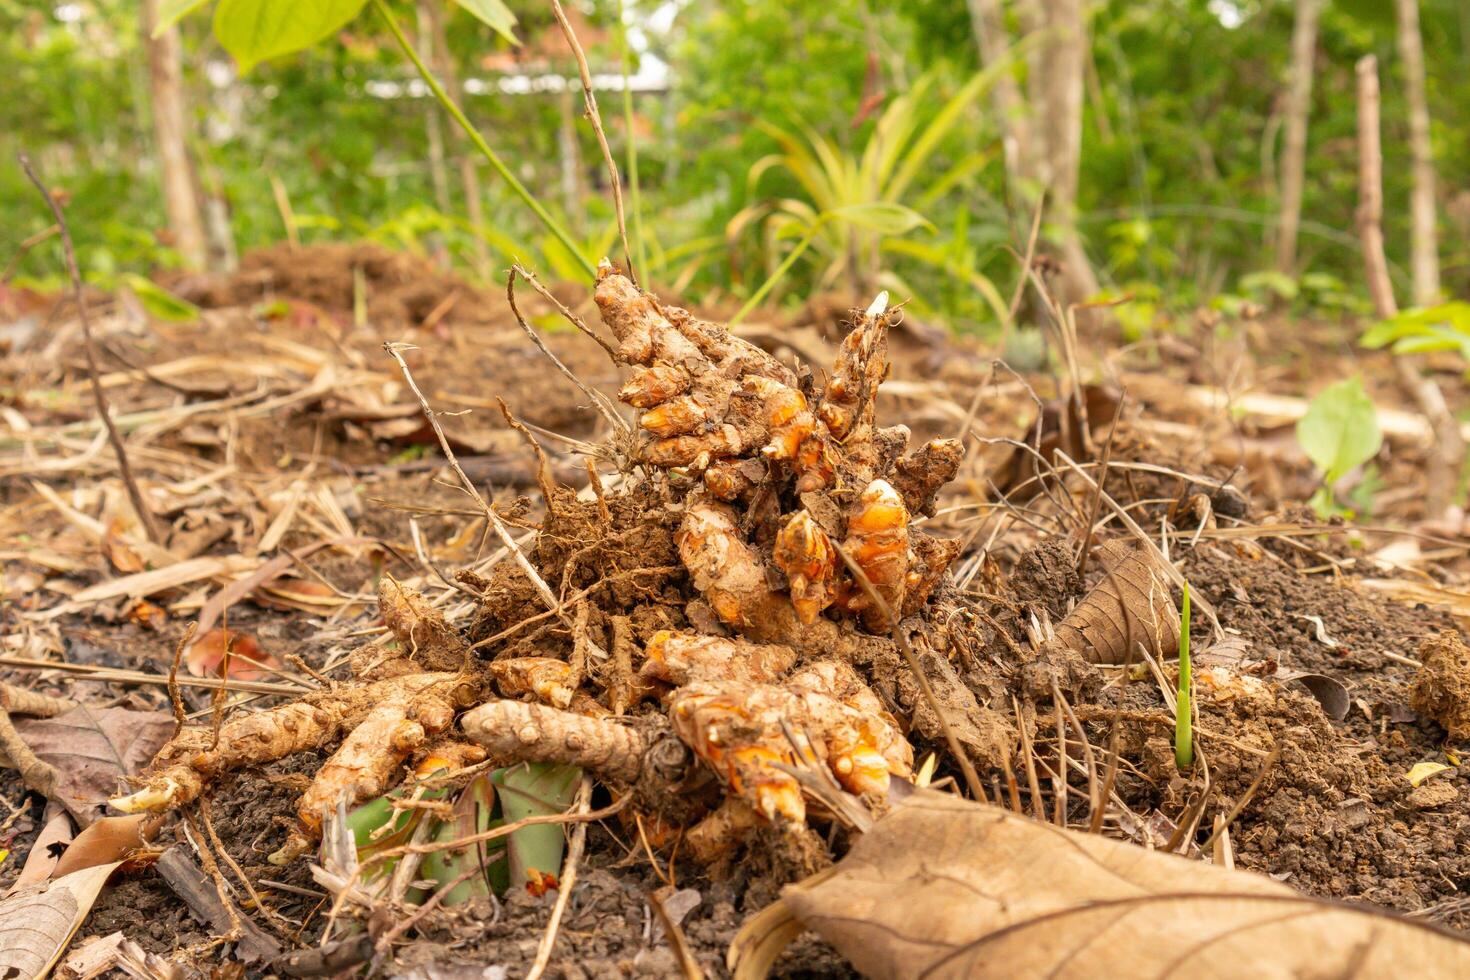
column 942, row 887
column 92, row 748
column 36, row 923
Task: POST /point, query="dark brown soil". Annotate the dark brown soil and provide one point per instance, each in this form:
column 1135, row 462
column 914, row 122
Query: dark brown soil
column 1334, row 813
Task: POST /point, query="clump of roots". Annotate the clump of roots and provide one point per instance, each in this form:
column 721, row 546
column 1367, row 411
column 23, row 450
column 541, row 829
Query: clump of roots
column 723, row 618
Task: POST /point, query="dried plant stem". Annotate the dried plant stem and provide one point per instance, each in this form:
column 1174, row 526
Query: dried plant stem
column 595, row 118
column 561, row 308
column 568, row 876
column 501, row 831
column 1100, row 811
column 175, row 698
column 140, row 677
column 1102, row 482
column 145, row 516
column 1148, row 543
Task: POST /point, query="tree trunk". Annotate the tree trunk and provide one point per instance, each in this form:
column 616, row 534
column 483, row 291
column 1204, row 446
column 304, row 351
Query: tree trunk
column 1370, row 190
column 1443, row 466
column 1059, row 139
column 1424, row 256
column 988, row 21
column 1294, row 153
column 170, row 133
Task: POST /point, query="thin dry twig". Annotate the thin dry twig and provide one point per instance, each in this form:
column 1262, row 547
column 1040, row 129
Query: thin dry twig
column 275, row 919
column 1102, row 482
column 145, row 516
column 596, row 119
column 395, row 350
column 491, row 834
column 175, row 698
column 221, row 887
column 680, row 942
column 604, row 407
column 1207, row 607
column 140, row 677
column 544, row 479
column 1100, row 810
column 562, row 309
column 568, row 875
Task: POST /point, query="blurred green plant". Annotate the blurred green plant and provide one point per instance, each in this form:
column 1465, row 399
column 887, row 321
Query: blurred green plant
column 1339, row 433
column 158, row 302
column 1445, row 327
column 857, row 205
column 256, row 30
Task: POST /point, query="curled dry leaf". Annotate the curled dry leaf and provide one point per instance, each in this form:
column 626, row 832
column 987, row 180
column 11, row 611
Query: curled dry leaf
column 1132, row 604
column 206, row 656
column 942, row 887
column 120, row 553
column 109, row 840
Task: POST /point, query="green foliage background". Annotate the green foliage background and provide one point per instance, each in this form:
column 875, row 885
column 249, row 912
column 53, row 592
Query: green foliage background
column 1176, row 193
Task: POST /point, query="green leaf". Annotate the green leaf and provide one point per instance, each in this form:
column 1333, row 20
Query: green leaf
column 254, row 30
column 159, row 302
column 535, row 789
column 884, row 217
column 473, row 814
column 495, row 14
column 1340, row 430
column 170, row 12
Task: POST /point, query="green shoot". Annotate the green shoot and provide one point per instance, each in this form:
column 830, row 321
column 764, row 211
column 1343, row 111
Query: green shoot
column 552, row 225
column 535, row 789
column 1183, row 710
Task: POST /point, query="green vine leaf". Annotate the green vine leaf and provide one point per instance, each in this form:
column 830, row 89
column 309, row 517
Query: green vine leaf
column 254, row 30
column 1340, row 430
column 170, row 12
column 495, row 14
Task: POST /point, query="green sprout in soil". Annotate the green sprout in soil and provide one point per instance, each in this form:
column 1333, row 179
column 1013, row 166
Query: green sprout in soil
column 1183, row 713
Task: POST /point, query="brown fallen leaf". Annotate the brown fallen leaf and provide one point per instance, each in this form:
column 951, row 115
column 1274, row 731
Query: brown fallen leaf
column 942, row 887
column 107, row 841
column 147, row 615
column 123, row 556
column 37, row 922
column 92, row 748
column 206, row 655
column 56, row 835
column 1132, row 604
